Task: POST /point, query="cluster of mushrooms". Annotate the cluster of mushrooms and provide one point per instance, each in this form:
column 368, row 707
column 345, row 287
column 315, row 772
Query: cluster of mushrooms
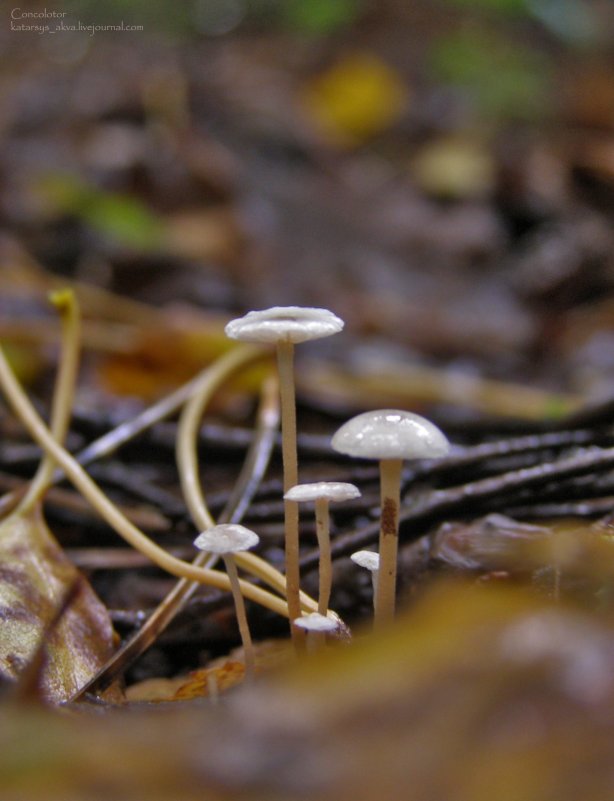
column 388, row 435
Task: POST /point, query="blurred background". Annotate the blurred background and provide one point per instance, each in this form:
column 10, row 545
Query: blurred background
column 440, row 173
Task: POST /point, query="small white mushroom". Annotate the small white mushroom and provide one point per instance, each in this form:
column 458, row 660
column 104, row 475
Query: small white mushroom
column 226, row 540
column 318, row 626
column 370, row 561
column 389, row 435
column 285, row 326
column 323, row 492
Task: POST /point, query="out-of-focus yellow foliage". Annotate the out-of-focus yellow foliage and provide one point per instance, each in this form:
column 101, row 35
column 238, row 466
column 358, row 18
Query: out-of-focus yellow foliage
column 355, row 99
column 477, row 694
column 455, row 167
column 25, row 361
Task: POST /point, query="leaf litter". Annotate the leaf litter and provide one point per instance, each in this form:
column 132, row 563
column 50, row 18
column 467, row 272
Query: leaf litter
column 475, row 686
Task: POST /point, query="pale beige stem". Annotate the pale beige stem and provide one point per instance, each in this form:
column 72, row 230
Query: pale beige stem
column 325, row 566
column 108, row 511
column 316, row 640
column 285, row 362
column 390, row 487
column 246, row 637
column 189, row 476
column 63, row 394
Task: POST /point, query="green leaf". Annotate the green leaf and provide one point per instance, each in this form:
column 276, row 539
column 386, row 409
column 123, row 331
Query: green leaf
column 504, row 78
column 320, row 16
column 123, row 219
column 499, row 6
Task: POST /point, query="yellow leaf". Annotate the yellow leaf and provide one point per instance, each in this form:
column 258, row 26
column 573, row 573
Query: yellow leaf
column 455, row 167
column 357, row 98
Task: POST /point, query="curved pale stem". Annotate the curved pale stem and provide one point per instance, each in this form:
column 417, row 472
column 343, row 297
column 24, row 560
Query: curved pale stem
column 285, row 363
column 63, row 394
column 246, row 637
column 108, row 511
column 187, row 464
column 325, row 567
column 390, row 487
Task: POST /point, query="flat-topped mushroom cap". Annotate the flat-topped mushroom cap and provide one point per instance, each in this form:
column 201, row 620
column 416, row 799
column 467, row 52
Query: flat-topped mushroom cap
column 316, row 622
column 367, row 559
column 390, row 434
column 226, row 538
column 284, row 324
column 326, row 490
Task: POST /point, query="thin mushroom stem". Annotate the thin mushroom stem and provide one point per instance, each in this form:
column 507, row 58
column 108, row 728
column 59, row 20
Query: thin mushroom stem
column 64, row 389
column 246, row 637
column 108, row 511
column 374, row 583
column 315, row 641
column 325, row 569
column 285, row 362
column 390, row 482
column 187, row 464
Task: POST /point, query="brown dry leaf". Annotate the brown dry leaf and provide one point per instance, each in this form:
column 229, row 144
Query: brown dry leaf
column 197, row 684
column 35, row 576
column 169, row 355
column 220, row 675
column 417, row 385
column 210, row 680
column 205, row 235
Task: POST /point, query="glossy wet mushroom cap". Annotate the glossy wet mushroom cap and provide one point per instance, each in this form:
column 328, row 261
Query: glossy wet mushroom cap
column 284, row 324
column 390, row 434
column 316, row 622
column 367, row 559
column 322, row 490
column 227, row 538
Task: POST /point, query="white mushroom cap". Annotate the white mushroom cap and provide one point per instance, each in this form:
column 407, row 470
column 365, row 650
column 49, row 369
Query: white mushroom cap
column 284, row 323
column 390, row 434
column 367, row 559
column 316, row 622
column 226, row 538
column 327, row 490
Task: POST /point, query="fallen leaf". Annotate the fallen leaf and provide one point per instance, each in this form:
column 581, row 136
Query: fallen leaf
column 357, row 98
column 35, row 576
column 219, row 675
column 476, row 694
column 210, row 681
column 204, row 235
column 454, row 167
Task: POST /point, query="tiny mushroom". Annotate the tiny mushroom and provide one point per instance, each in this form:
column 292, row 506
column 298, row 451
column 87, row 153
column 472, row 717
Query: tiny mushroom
column 370, row 561
column 285, row 326
column 323, row 492
column 318, row 626
column 389, row 435
column 227, row 539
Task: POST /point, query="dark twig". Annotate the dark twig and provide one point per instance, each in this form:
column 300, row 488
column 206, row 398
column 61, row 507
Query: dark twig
column 432, row 505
